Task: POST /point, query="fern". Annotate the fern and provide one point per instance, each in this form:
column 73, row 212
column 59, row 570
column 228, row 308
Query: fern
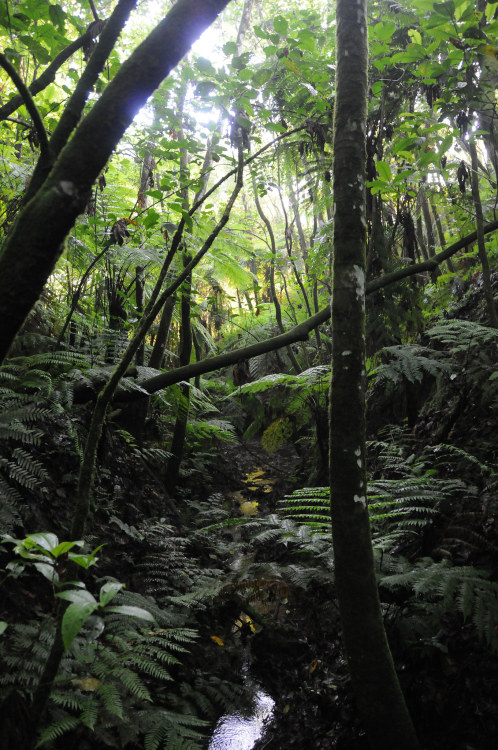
column 57, row 729
column 461, row 336
column 441, row 588
column 408, row 362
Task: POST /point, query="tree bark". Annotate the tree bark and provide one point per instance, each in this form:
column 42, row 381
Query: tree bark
column 378, row 693
column 483, row 257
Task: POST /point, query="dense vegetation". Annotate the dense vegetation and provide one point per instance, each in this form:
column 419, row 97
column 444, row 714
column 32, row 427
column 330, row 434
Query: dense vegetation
column 173, row 225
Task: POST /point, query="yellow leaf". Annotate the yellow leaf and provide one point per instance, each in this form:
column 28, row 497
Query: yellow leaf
column 488, row 49
column 249, row 508
column 313, row 666
column 292, row 66
column 88, row 684
column 217, row 640
column 253, row 475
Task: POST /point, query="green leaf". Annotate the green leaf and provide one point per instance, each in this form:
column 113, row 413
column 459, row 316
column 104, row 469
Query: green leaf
column 44, row 540
column 383, row 31
column 446, row 9
column 85, row 561
column 204, row 65
column 47, row 571
column 152, row 218
column 129, row 611
column 245, row 74
column 260, row 33
column 3, row 626
column 109, row 591
column 384, row 171
column 57, row 16
column 428, row 69
column 306, row 40
column 415, row 36
column 74, row 618
column 275, row 127
column 78, row 596
column 280, row 25
column 270, row 50
column 377, row 88
column 64, row 547
column 230, row 48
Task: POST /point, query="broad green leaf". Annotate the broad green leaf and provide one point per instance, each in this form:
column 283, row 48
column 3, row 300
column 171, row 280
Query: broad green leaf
column 45, row 540
column 204, row 65
column 64, row 547
column 260, row 33
column 384, row 171
column 383, row 30
column 57, row 16
column 306, row 40
column 428, row 69
column 261, row 77
column 47, row 571
column 74, row 618
column 230, row 48
column 270, row 50
column 280, row 25
column 446, row 9
column 109, row 591
column 415, row 36
column 128, row 611
column 78, row 596
column 152, row 218
column 377, row 88
column 245, row 74
column 3, row 626
column 491, row 9
column 85, row 561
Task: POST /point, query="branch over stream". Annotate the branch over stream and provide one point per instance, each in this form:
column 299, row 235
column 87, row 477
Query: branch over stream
column 297, row 333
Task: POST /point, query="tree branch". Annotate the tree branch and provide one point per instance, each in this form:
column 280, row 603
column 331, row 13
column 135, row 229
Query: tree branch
column 94, row 10
column 48, row 75
column 74, row 108
column 35, row 242
column 297, row 333
column 27, row 100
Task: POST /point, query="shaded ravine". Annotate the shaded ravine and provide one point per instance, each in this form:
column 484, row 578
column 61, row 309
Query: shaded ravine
column 241, row 730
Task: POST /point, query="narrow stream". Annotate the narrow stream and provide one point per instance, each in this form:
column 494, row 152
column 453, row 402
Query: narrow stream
column 240, row 732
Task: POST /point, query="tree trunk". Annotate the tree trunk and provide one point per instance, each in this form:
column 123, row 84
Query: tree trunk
column 486, row 277
column 380, row 700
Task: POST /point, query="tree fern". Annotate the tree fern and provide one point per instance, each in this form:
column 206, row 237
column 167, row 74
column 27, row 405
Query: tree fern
column 408, row 362
column 460, row 336
column 439, row 587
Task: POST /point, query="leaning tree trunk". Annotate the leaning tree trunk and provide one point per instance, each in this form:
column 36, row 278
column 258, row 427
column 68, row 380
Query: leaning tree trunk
column 380, row 700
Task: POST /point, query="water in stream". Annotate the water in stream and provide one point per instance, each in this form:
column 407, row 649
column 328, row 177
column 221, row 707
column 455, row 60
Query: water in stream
column 240, row 732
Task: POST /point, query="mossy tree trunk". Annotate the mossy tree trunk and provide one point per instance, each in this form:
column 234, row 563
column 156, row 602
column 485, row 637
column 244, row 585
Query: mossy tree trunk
column 380, row 700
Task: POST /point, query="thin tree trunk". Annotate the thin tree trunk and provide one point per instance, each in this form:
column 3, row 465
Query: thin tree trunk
column 179, row 433
column 378, row 693
column 156, row 359
column 139, row 301
column 483, row 257
column 273, row 292
column 440, row 234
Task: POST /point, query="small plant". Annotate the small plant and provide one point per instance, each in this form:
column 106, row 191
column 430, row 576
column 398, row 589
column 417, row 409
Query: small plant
column 50, row 557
